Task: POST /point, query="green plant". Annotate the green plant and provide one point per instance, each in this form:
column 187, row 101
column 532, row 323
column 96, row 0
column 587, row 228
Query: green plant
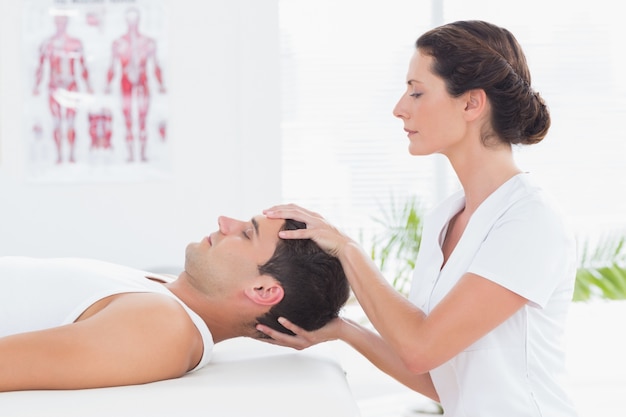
column 395, row 248
column 601, row 270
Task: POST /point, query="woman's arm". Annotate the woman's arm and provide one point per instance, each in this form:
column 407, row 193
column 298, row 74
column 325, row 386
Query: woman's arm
column 364, row 341
column 470, row 310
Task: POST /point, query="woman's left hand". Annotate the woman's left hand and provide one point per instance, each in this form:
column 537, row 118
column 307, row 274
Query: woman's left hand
column 302, row 339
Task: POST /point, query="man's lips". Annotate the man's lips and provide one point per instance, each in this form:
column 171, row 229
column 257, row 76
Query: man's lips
column 410, row 132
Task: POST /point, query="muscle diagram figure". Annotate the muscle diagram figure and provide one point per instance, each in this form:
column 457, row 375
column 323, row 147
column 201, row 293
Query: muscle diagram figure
column 134, row 52
column 63, row 53
column 100, row 129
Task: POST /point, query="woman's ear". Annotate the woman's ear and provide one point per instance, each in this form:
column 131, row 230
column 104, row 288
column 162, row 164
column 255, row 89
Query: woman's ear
column 265, row 291
column 475, row 103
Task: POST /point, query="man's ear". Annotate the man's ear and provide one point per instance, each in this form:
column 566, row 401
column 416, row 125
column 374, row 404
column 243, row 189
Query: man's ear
column 475, row 103
column 265, row 291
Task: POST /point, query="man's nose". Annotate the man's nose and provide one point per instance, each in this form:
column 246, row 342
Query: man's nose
column 228, row 225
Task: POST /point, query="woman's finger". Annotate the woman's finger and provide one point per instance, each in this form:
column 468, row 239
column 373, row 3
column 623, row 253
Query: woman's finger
column 290, row 326
column 289, row 206
column 283, row 339
column 291, row 211
column 296, row 234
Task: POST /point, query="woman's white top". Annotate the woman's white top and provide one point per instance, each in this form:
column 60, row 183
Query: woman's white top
column 40, row 293
column 517, row 239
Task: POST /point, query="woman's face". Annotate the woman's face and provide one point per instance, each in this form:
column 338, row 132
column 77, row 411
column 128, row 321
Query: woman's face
column 432, row 118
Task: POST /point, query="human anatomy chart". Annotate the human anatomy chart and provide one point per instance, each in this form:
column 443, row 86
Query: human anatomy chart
column 96, row 90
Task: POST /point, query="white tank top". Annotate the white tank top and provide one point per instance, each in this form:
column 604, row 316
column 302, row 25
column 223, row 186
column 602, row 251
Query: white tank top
column 26, row 286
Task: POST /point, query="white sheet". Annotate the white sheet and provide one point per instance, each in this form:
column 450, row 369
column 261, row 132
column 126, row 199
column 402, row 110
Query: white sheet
column 245, row 378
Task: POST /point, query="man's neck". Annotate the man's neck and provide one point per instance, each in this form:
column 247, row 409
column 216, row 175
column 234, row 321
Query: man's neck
column 215, row 313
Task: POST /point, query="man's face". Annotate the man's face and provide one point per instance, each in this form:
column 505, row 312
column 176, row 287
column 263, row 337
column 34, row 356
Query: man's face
column 232, row 254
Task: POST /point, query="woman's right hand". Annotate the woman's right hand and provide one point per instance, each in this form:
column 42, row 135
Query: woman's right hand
column 302, row 339
column 318, row 229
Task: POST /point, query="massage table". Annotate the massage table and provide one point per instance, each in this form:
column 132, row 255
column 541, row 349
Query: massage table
column 244, row 378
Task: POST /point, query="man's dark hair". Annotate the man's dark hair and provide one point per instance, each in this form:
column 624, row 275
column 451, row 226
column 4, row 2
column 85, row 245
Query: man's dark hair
column 313, row 281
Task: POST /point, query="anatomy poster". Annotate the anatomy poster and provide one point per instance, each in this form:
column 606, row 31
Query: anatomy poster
column 96, row 85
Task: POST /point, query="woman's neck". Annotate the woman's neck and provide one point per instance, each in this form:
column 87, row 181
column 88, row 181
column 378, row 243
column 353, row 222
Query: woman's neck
column 482, row 172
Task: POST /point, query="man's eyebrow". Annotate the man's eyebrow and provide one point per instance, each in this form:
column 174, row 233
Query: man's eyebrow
column 256, row 226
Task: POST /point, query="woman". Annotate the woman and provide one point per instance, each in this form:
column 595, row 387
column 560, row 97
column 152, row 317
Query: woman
column 482, row 329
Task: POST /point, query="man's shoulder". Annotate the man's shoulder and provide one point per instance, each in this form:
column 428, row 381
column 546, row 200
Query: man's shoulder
column 159, row 321
column 155, row 304
column 143, row 311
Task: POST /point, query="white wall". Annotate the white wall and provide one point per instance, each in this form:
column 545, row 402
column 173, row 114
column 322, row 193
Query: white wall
column 224, row 127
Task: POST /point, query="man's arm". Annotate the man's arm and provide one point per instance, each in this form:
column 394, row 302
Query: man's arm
column 136, row 338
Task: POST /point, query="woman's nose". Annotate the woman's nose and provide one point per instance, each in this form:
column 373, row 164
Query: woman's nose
column 398, row 109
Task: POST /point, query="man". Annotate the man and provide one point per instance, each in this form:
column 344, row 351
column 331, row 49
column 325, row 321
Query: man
column 77, row 323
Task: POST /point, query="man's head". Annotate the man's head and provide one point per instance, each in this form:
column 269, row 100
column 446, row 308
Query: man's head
column 313, row 281
column 259, row 277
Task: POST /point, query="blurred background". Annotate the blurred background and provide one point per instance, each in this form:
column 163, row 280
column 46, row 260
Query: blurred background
column 290, row 101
